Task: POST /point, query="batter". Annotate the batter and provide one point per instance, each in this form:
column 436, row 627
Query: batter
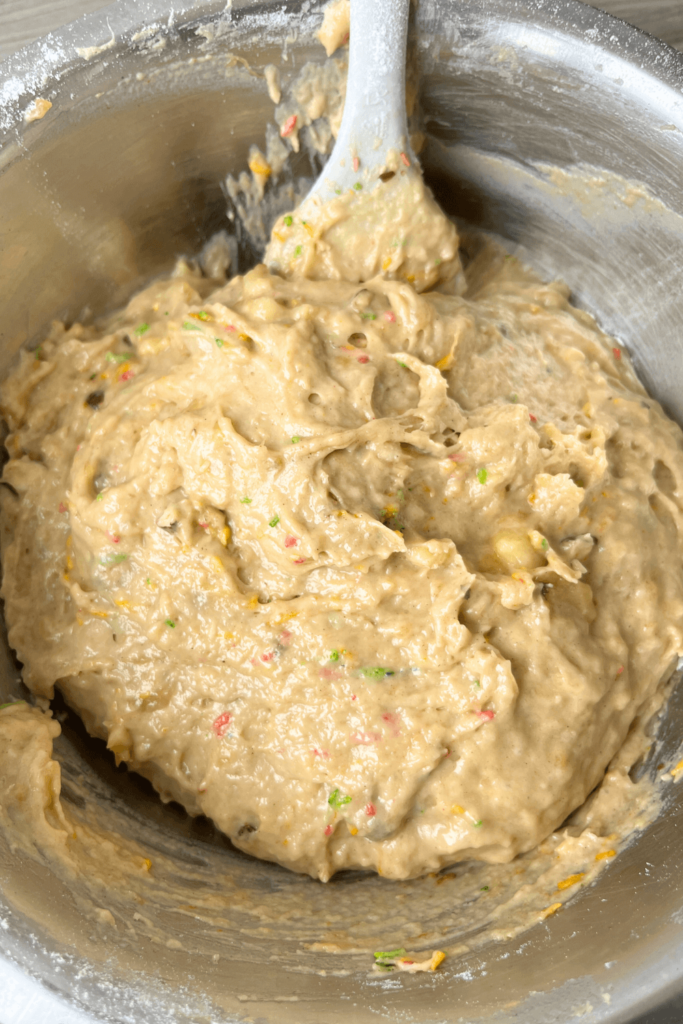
column 371, row 577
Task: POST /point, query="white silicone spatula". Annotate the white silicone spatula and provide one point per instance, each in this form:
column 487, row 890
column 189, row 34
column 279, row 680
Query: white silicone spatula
column 374, row 123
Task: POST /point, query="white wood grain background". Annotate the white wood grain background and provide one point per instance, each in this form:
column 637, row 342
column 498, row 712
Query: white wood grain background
column 22, row 21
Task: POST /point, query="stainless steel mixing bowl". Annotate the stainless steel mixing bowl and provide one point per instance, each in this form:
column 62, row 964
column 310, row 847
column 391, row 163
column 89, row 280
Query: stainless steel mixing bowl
column 123, row 174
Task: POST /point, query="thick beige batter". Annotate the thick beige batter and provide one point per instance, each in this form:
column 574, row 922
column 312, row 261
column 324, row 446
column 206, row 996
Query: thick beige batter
column 370, row 577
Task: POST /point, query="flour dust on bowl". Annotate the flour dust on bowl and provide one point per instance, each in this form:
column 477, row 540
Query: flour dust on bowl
column 551, row 126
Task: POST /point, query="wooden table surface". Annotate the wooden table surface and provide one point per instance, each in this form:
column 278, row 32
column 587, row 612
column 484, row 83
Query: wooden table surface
column 21, row 21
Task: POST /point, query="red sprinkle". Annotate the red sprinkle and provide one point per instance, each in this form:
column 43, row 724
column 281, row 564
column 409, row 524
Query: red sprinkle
column 126, row 375
column 320, row 753
column 391, row 317
column 345, row 39
column 405, row 159
column 456, row 457
column 356, row 163
column 353, row 697
column 220, row 726
column 328, row 830
column 370, row 810
column 616, row 352
column 532, row 418
column 488, row 715
column 299, row 561
column 289, row 126
column 363, row 359
column 620, row 670
column 284, row 636
column 113, row 538
column 291, row 542
column 204, row 526
column 63, row 507
column 268, row 656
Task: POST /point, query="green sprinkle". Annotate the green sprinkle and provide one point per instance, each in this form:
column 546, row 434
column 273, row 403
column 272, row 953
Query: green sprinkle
column 99, row 497
column 148, row 582
column 482, row 475
column 391, row 954
column 113, row 559
column 299, row 249
column 288, row 221
column 404, row 365
column 202, row 315
column 375, row 672
column 166, row 313
column 437, row 262
column 368, row 316
column 245, row 500
column 11, row 704
column 484, row 888
column 477, row 824
column 116, row 357
column 92, row 376
column 336, row 800
column 142, row 328
column 544, row 544
column 358, row 186
column 187, row 326
column 219, row 342
column 334, row 655
column 337, row 191
column 295, row 439
column 514, row 398
column 400, row 495
column 170, row 623
column 274, row 521
column 477, row 684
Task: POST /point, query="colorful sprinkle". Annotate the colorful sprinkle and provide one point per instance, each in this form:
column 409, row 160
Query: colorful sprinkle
column 389, row 955
column 405, row 159
column 268, row 656
column 370, row 810
column 289, row 220
column 299, row 249
column 220, row 725
column 274, row 521
column 113, row 559
column 390, row 317
column 219, row 342
column 290, row 542
column 606, row 854
column 487, row 715
column 355, row 163
column 544, row 544
column 289, row 126
column 116, row 357
column 532, row 418
column 295, row 439
column 170, row 623
column 616, row 352
column 363, row 359
column 245, row 501
column 358, row 186
column 328, row 830
column 376, row 672
column 566, row 883
column 65, row 508
column 142, row 328
column 299, row 561
column 187, row 326
column 477, row 824
column 482, row 475
column 336, row 800
column 334, row 655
